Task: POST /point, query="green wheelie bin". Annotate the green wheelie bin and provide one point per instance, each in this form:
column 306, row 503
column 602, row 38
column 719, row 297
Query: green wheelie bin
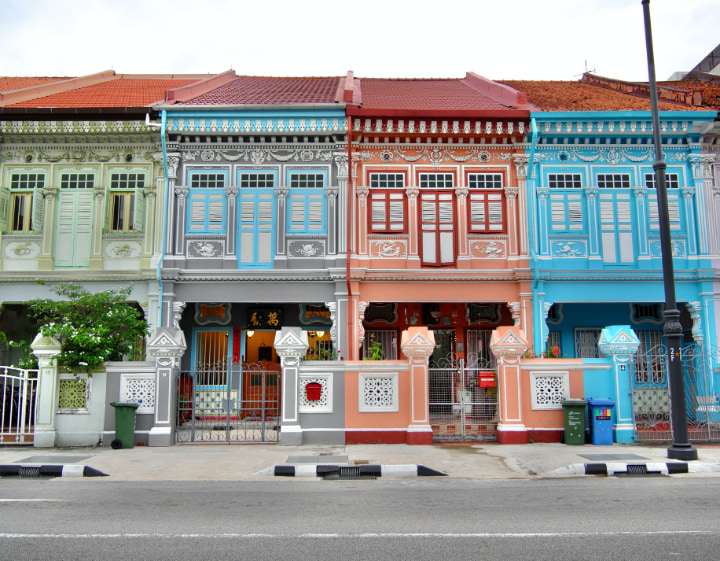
column 124, row 424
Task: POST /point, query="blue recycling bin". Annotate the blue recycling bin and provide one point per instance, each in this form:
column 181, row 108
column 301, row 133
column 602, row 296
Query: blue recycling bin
column 600, row 416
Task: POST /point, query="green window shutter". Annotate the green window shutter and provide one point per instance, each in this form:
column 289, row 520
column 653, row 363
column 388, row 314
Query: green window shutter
column 4, row 209
column 38, row 209
column 138, row 212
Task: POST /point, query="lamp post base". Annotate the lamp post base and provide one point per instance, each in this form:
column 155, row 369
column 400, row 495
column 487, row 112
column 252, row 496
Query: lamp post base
column 682, row 452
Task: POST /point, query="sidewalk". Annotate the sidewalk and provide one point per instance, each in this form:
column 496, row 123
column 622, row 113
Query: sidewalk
column 256, row 462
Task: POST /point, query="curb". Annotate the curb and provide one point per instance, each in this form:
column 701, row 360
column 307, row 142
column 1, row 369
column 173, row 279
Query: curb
column 649, row 468
column 352, row 472
column 35, row 470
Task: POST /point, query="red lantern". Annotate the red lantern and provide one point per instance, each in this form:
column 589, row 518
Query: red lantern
column 313, row 390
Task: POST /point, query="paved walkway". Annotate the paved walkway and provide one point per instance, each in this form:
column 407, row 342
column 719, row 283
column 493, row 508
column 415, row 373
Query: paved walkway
column 256, row 462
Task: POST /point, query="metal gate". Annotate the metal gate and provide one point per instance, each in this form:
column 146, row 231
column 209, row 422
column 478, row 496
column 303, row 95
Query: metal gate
column 17, row 424
column 233, row 405
column 651, row 394
column 462, row 401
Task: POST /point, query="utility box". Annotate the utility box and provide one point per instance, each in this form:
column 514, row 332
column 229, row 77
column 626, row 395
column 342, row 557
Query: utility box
column 601, row 424
column 124, row 424
column 574, row 414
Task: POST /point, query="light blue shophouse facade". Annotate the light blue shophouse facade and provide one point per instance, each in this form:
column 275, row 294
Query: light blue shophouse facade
column 594, row 231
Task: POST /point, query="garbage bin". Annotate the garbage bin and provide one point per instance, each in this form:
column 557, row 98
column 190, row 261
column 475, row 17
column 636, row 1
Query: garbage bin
column 124, row 424
column 601, row 425
column 574, row 413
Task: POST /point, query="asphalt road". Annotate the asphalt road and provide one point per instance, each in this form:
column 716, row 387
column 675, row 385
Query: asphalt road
column 575, row 519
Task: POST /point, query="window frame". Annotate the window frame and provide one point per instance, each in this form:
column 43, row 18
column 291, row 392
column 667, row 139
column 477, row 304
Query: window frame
column 488, row 198
column 389, row 223
column 440, row 196
column 131, row 192
column 32, row 197
column 209, row 199
column 242, row 173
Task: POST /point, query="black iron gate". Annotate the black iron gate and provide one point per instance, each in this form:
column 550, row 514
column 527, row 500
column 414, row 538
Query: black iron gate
column 651, row 394
column 239, row 404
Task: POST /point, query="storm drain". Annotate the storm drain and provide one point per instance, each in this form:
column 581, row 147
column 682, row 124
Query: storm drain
column 637, row 469
column 347, row 473
column 32, row 471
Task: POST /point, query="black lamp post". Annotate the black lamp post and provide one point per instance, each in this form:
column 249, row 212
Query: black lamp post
column 680, row 448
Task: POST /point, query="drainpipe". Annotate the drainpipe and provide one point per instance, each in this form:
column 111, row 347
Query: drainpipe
column 537, row 337
column 161, row 126
column 349, row 201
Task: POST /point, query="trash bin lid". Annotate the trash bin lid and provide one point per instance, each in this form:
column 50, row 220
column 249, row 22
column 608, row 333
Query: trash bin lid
column 132, row 404
column 574, row 402
column 600, row 402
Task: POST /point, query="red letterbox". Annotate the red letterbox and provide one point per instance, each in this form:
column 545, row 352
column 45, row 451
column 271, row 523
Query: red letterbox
column 313, row 391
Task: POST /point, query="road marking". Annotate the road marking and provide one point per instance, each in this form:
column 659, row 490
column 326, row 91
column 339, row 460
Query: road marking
column 30, row 501
column 356, row 536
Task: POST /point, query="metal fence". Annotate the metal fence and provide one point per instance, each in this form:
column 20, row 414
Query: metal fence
column 242, row 405
column 651, row 394
column 462, row 402
column 17, row 424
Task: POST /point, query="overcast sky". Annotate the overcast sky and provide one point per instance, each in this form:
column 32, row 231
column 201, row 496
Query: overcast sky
column 498, row 39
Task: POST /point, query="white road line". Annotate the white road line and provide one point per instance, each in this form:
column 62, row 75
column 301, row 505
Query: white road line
column 502, row 535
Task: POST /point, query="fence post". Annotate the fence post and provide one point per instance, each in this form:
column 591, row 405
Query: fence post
column 418, row 344
column 46, row 350
column 167, row 345
column 621, row 344
column 291, row 344
column 509, row 344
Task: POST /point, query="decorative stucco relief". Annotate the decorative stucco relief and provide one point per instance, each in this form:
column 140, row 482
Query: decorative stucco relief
column 388, row 249
column 492, row 249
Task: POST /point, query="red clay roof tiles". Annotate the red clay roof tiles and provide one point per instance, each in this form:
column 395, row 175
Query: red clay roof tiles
column 424, row 95
column 246, row 90
column 116, row 92
column 577, row 96
column 10, row 83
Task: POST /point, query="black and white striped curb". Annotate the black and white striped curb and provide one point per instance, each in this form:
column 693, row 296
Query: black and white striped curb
column 650, row 468
column 367, row 471
column 35, row 470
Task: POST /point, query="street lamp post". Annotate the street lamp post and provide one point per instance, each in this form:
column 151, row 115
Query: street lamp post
column 680, row 448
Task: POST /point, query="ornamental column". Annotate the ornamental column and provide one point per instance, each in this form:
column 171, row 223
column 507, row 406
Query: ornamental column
column 509, row 344
column 168, row 346
column 291, row 344
column 418, row 344
column 621, row 344
column 46, row 349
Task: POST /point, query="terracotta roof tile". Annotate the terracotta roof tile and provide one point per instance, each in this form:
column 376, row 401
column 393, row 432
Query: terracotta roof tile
column 577, row 96
column 424, row 95
column 271, row 90
column 710, row 91
column 117, row 92
column 10, row 83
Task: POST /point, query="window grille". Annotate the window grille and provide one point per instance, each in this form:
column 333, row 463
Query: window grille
column 387, row 180
column 586, row 340
column 565, row 181
column 613, row 180
column 485, row 181
column 388, row 343
column 478, row 353
column 77, row 181
column 436, row 180
column 672, row 180
column 207, row 180
column 650, row 358
column 257, row 180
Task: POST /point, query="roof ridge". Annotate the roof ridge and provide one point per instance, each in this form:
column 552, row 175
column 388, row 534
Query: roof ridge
column 499, row 92
column 185, row 93
column 51, row 88
column 642, row 89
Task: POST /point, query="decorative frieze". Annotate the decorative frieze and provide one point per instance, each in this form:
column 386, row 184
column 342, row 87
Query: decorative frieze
column 239, row 126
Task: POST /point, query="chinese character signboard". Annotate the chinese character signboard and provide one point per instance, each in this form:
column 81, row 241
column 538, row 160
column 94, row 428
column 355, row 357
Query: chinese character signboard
column 264, row 318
